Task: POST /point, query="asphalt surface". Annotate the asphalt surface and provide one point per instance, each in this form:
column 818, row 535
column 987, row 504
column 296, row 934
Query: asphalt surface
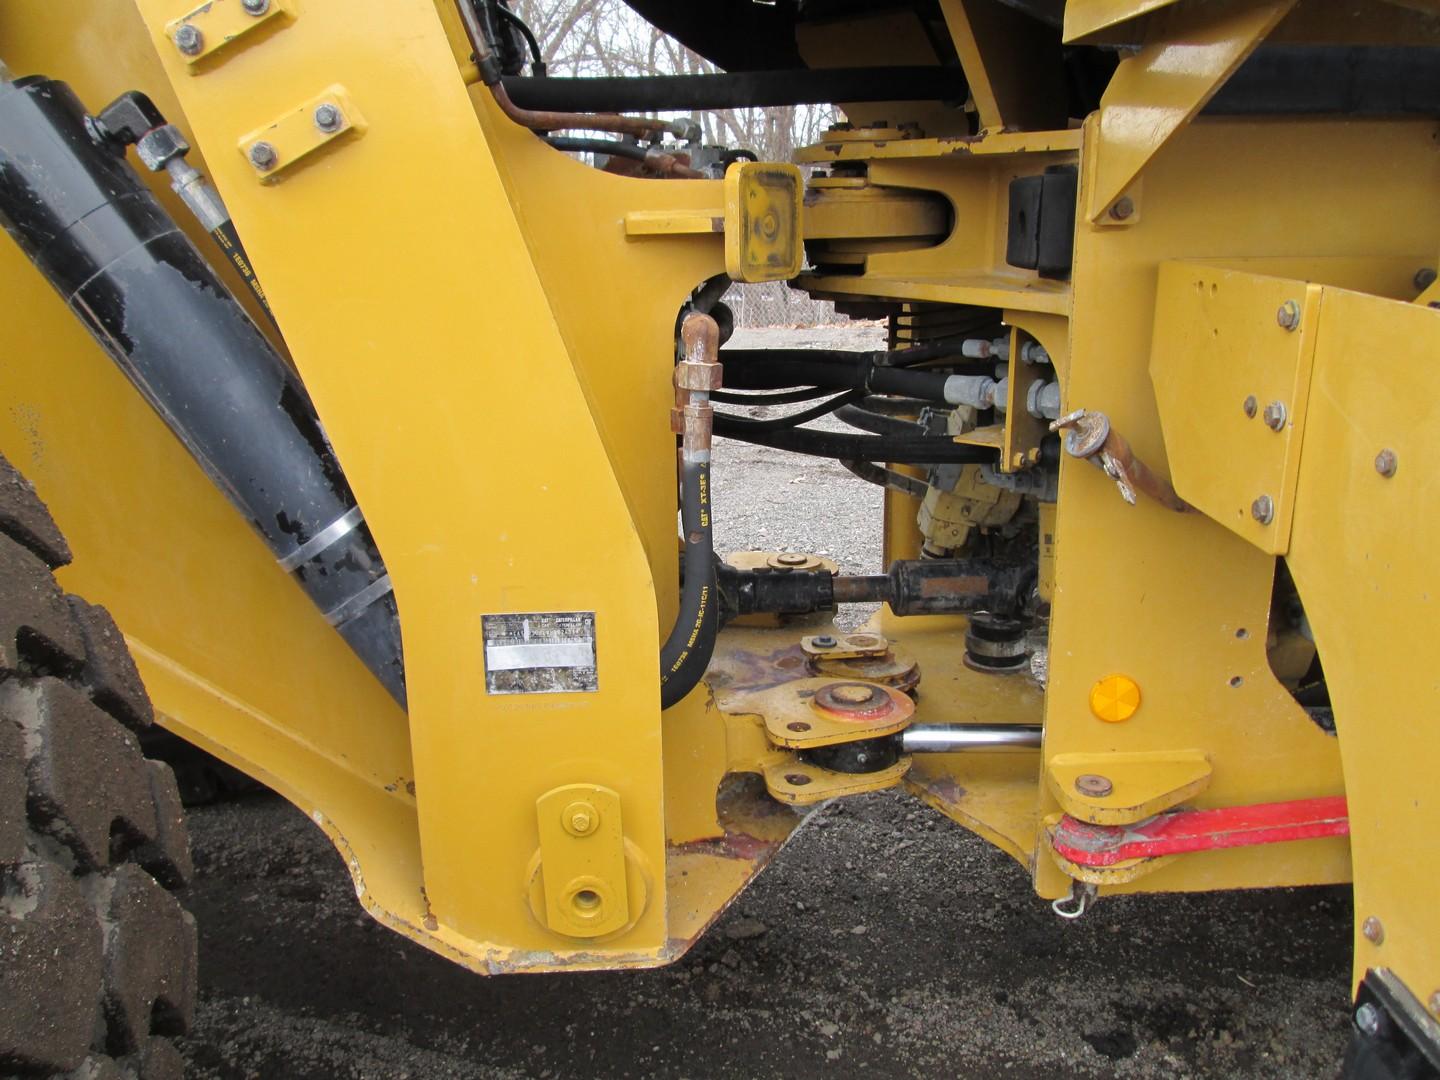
column 883, row 941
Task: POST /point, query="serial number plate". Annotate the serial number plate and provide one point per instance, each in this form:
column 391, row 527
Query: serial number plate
column 540, row 653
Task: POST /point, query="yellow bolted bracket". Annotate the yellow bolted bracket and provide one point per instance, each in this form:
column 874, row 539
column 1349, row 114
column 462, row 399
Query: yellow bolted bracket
column 763, row 204
column 762, row 221
column 582, row 860
column 215, row 25
column 286, row 142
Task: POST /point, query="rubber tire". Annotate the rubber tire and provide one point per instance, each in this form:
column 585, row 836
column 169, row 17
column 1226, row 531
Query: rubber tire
column 97, row 954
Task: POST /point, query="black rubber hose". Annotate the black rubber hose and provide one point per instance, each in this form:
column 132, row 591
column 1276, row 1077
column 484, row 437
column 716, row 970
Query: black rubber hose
column 537, row 61
column 888, row 478
column 794, row 420
column 927, row 450
column 737, row 90
column 687, row 651
column 784, row 397
column 776, row 369
column 877, row 423
column 612, row 147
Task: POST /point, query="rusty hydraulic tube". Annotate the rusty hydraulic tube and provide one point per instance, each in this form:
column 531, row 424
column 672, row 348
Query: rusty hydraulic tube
column 538, row 120
column 1088, row 435
column 691, row 642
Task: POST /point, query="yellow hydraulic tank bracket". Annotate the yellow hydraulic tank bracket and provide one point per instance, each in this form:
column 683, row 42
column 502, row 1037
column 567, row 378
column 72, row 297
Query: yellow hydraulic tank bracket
column 582, row 860
column 762, row 221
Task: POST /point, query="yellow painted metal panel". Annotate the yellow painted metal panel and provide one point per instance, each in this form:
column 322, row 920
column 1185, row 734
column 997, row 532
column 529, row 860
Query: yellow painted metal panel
column 1085, row 17
column 1231, row 367
column 1157, row 91
column 1365, row 561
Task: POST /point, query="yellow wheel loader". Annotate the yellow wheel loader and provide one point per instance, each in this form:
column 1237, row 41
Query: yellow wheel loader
column 362, row 376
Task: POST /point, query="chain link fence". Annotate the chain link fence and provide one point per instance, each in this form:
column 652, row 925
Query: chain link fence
column 774, row 303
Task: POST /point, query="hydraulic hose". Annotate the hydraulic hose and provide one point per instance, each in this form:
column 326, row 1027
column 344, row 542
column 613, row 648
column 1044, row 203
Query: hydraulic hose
column 656, row 160
column 738, row 90
column 540, row 121
column 776, row 369
column 878, row 423
column 794, row 420
column 922, row 450
column 687, row 650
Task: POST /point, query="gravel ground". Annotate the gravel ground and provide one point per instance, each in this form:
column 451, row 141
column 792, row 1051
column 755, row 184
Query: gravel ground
column 883, row 941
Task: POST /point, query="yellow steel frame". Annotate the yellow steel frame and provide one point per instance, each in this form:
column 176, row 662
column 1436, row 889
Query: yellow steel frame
column 486, row 327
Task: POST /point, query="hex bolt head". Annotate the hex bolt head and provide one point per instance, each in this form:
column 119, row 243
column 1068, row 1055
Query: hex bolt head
column 1373, row 930
column 1093, row 785
column 1386, row 463
column 1424, row 278
column 263, row 156
column 328, row 117
column 255, row 7
column 1367, row 1019
column 188, row 39
column 1250, row 405
column 1122, row 208
column 1275, row 415
column 1289, row 315
column 1263, row 509
column 824, row 641
column 580, row 818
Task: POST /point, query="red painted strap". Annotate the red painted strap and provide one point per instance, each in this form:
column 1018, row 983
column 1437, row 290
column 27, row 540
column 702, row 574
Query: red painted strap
column 1177, row 831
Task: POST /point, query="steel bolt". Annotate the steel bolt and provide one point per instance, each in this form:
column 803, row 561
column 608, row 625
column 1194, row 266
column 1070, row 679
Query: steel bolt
column 792, row 558
column 255, row 7
column 1386, row 463
column 798, row 725
column 1289, row 315
column 824, row 641
column 796, row 779
column 1424, row 278
column 1373, row 929
column 263, row 156
column 1275, row 415
column 1263, row 509
column 1250, row 406
column 581, row 822
column 188, row 39
column 1093, row 785
column 328, row 118
column 1122, row 208
column 1367, row 1019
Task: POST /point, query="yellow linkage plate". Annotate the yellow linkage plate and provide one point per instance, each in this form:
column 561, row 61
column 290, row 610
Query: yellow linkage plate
column 582, row 859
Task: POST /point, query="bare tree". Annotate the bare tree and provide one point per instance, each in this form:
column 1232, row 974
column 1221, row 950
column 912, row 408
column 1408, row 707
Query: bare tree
column 606, row 37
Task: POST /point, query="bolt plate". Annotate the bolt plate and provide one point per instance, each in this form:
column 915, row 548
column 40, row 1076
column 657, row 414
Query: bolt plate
column 223, row 22
column 847, row 646
column 784, row 708
column 800, row 783
column 1142, row 783
column 1216, row 345
column 295, row 136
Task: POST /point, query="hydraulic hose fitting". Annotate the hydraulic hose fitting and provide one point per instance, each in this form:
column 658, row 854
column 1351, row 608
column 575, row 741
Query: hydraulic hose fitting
column 696, row 376
column 691, row 642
